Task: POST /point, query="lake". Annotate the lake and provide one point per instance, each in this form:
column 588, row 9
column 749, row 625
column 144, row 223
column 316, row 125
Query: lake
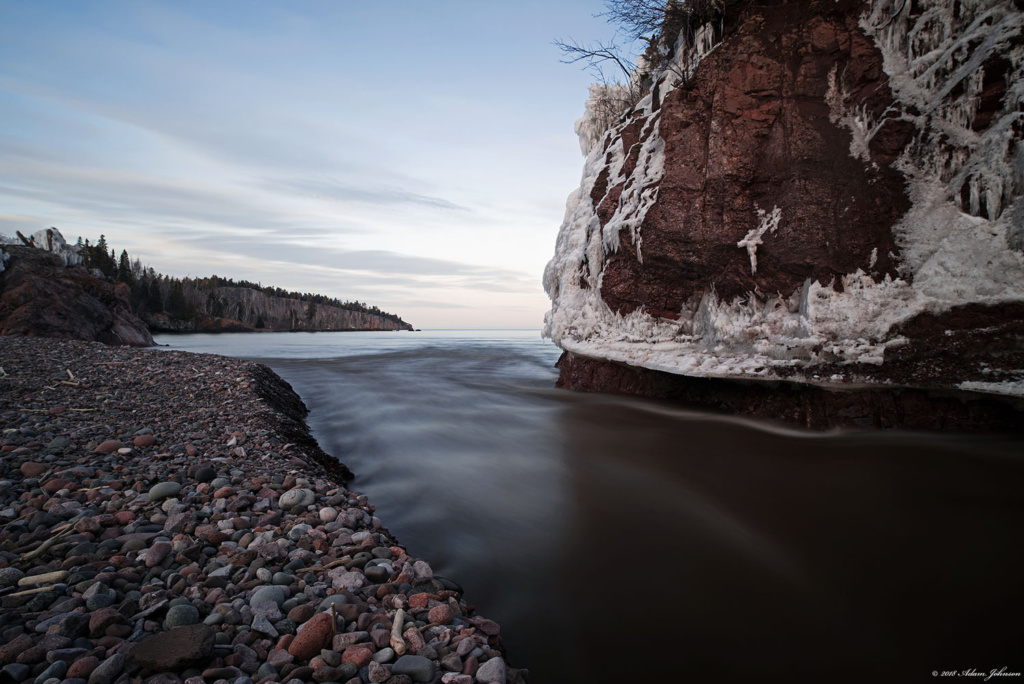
column 622, row 540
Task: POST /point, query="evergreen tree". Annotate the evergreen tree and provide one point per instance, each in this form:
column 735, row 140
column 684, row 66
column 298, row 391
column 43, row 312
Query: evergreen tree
column 177, row 307
column 154, row 300
column 124, row 268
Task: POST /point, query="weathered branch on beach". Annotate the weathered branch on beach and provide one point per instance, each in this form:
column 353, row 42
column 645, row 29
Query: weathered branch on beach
column 46, row 545
column 397, row 642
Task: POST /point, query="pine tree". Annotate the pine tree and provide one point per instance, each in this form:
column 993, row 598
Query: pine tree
column 154, row 300
column 124, row 268
column 177, row 307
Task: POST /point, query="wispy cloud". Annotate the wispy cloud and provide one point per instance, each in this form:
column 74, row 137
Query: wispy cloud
column 281, row 142
column 111, row 196
column 341, row 192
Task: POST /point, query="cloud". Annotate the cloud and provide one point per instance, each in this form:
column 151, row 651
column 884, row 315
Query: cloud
column 11, row 223
column 339, row 192
column 138, row 200
column 382, row 267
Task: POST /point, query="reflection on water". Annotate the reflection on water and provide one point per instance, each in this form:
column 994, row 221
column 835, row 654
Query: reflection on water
column 621, row 540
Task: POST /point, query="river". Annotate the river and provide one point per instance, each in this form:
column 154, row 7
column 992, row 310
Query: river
column 623, row 540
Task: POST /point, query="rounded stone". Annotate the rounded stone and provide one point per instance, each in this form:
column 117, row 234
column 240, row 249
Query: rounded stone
column 164, row 490
column 297, row 497
column 326, row 604
column 144, row 440
column 182, row 616
column 314, row 636
column 98, row 601
column 297, row 532
column 32, row 469
column 358, row 654
column 10, row 576
column 57, row 670
column 417, row 668
column 273, row 594
column 440, row 614
column 282, row 579
column 377, row 574
column 492, row 672
column 205, row 474
column 108, row 447
column 384, row 655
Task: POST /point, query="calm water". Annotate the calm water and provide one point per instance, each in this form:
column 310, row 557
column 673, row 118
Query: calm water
column 618, row 540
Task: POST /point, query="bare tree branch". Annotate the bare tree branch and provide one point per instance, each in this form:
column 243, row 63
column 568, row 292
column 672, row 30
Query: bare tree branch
column 640, row 18
column 594, row 56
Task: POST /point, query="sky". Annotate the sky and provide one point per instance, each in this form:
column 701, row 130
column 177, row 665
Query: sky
column 414, row 156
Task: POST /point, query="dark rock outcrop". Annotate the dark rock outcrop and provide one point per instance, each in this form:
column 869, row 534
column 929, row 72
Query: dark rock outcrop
column 41, row 297
column 816, row 407
column 815, row 196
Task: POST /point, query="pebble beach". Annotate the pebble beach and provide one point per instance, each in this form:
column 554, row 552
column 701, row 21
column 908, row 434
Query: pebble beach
column 167, row 517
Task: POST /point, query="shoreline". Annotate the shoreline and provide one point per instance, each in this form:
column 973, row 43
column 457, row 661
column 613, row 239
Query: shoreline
column 143, row 538
column 161, row 331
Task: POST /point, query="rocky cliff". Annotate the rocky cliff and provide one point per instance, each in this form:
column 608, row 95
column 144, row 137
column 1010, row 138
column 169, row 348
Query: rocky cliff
column 41, row 295
column 217, row 308
column 815, row 194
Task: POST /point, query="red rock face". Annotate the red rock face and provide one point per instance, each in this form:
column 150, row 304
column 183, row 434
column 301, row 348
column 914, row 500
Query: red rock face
column 753, row 131
column 40, row 297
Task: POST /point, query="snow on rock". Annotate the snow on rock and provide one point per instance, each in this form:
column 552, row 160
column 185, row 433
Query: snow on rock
column 769, row 222
column 607, row 103
column 51, row 240
column 954, row 69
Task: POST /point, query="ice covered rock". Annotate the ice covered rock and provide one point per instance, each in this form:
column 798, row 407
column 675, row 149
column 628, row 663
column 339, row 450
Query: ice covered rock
column 847, row 210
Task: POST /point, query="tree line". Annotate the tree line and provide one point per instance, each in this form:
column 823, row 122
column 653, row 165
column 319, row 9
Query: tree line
column 190, row 299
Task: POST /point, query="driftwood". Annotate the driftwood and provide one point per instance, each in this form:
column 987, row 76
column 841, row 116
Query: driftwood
column 397, row 642
column 46, row 545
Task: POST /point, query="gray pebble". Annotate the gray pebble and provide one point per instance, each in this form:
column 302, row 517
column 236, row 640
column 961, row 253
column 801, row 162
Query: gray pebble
column 181, row 616
column 164, row 490
column 417, row 668
column 297, row 497
column 10, row 576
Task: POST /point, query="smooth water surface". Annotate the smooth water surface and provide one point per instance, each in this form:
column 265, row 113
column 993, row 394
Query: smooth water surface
column 617, row 540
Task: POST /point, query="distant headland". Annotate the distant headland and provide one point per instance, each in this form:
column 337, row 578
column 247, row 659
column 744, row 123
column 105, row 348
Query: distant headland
column 84, row 291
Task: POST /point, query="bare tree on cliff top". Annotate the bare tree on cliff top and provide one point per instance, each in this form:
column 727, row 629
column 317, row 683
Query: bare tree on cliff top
column 635, row 20
column 650, row 21
column 642, row 19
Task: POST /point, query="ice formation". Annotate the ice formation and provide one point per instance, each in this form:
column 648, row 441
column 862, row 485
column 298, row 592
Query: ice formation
column 961, row 240
column 769, row 222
